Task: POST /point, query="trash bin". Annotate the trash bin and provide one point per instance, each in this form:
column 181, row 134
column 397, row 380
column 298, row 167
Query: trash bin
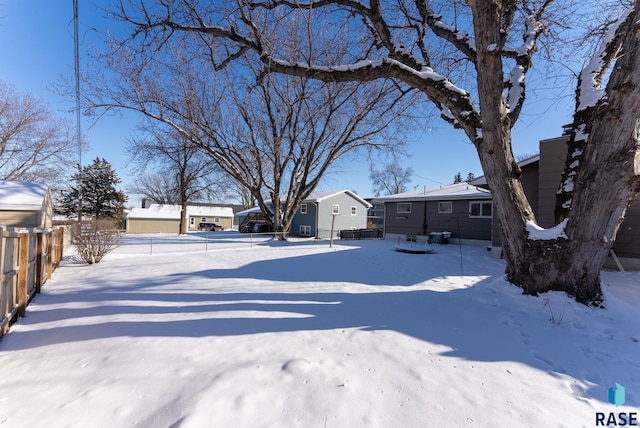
column 439, row 237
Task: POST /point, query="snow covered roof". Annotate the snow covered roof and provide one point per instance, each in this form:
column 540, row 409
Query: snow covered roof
column 450, row 191
column 172, row 212
column 246, row 212
column 320, row 196
column 22, row 196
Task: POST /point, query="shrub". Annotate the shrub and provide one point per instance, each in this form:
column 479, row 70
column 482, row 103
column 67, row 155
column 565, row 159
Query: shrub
column 95, row 239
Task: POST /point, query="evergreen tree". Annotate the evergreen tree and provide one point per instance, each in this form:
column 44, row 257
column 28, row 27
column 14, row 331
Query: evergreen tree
column 100, row 198
column 457, row 179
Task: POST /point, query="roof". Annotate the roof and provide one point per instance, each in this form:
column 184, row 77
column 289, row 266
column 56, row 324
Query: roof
column 444, row 192
column 247, row 212
column 482, row 181
column 22, row 196
column 172, row 212
column 320, row 196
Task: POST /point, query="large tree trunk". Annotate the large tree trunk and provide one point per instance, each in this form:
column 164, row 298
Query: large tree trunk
column 605, row 184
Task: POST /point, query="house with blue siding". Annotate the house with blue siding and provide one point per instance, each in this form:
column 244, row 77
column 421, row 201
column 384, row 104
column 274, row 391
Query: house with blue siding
column 318, row 215
column 323, row 212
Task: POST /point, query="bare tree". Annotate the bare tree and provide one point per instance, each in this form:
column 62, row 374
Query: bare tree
column 392, row 179
column 34, row 145
column 276, row 135
column 185, row 173
column 160, row 188
column 436, row 48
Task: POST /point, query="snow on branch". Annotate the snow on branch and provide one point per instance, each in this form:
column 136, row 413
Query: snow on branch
column 538, row 233
column 460, row 39
column 515, row 83
column 590, row 89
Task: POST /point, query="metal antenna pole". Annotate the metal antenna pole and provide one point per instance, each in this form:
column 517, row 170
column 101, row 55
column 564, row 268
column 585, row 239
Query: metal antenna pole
column 78, row 134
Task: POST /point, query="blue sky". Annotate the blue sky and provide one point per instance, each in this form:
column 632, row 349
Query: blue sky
column 36, row 41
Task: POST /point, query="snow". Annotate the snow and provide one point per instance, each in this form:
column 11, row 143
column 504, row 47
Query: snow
column 222, row 329
column 160, row 211
column 590, row 89
column 443, row 192
column 538, row 233
column 22, row 195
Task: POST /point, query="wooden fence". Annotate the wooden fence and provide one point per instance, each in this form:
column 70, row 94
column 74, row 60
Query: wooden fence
column 28, row 257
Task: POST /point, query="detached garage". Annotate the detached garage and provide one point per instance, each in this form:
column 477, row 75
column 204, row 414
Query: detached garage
column 24, row 204
column 155, row 219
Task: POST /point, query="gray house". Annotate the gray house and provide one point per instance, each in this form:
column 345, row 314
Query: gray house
column 541, row 175
column 318, row 215
column 343, row 208
column 463, row 210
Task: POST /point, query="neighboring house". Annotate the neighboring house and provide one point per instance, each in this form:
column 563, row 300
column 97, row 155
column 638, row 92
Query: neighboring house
column 541, row 175
column 166, row 218
column 323, row 212
column 25, row 204
column 462, row 209
column 375, row 214
column 318, row 215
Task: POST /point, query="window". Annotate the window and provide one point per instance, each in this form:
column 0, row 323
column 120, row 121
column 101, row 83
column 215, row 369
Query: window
column 403, row 208
column 303, row 209
column 216, row 219
column 335, row 209
column 445, row 207
column 305, row 230
column 192, row 221
column 203, row 219
column 354, row 210
column 480, row 209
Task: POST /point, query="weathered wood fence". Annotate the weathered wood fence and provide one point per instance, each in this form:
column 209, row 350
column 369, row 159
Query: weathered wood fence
column 28, row 257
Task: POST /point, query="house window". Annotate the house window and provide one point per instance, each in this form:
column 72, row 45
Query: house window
column 216, row 219
column 445, row 207
column 203, row 219
column 403, row 208
column 303, row 209
column 335, row 209
column 192, row 221
column 305, row 230
column 480, row 209
column 354, row 210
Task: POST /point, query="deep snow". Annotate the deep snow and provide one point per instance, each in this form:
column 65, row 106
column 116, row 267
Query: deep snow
column 220, row 329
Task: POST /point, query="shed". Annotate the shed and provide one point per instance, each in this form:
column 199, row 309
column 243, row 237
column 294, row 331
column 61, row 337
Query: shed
column 24, row 204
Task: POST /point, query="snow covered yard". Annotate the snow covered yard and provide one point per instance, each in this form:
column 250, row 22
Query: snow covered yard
column 220, row 329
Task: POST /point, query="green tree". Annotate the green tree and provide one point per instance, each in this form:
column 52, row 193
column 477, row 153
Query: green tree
column 100, row 198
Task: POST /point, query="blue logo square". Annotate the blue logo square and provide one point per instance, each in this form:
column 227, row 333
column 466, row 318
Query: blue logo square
column 616, row 395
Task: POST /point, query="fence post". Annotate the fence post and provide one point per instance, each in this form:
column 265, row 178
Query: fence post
column 59, row 245
column 39, row 260
column 52, row 263
column 23, row 260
